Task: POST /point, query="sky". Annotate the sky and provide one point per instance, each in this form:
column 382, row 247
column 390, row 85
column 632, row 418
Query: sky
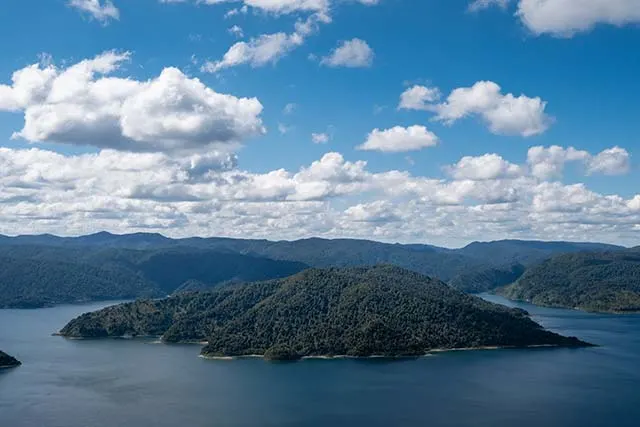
column 430, row 121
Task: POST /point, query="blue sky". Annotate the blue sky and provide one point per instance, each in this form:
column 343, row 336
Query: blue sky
column 582, row 69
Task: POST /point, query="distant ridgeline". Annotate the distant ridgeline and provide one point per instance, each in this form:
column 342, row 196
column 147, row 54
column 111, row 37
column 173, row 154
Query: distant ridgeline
column 367, row 311
column 603, row 282
column 7, row 361
column 44, row 270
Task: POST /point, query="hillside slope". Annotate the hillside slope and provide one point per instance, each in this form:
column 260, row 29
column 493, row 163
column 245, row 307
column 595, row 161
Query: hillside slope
column 37, row 276
column 603, row 282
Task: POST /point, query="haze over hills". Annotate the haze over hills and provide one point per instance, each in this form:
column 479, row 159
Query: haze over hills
column 41, row 270
column 594, row 281
column 382, row 310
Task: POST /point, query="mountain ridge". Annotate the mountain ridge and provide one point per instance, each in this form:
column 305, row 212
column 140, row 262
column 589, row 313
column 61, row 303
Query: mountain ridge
column 150, row 264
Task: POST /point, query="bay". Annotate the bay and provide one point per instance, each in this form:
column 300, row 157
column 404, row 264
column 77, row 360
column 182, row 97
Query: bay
column 133, row 383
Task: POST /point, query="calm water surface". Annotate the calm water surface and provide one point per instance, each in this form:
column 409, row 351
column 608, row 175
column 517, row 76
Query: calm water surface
column 129, row 383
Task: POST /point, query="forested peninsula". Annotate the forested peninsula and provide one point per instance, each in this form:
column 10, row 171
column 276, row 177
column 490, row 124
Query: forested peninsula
column 599, row 282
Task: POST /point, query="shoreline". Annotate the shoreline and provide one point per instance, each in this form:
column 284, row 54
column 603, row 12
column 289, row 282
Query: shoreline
column 563, row 307
column 10, row 366
column 430, row 353
column 153, row 339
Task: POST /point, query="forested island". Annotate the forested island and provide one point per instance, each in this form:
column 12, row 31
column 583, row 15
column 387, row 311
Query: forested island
column 599, row 282
column 7, row 361
column 369, row 311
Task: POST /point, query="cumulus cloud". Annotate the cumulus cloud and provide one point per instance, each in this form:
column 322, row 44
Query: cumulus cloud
column 399, row 139
column 355, row 53
column 488, row 166
column 504, row 114
column 549, row 162
column 207, row 194
column 320, row 138
column 267, row 48
column 612, row 161
column 237, row 31
column 567, row 17
column 83, row 104
column 100, row 10
column 380, row 211
column 419, row 97
column 277, row 6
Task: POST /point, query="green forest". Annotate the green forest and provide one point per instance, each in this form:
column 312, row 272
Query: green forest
column 384, row 311
column 601, row 282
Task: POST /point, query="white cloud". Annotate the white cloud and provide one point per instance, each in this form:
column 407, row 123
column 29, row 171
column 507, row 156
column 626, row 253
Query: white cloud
column 100, row 10
column 399, row 139
column 419, row 98
column 549, row 162
column 320, row 138
column 206, row 194
column 504, row 114
column 236, row 11
column 486, row 167
column 613, row 161
column 485, row 4
column 267, row 48
column 257, row 52
column 355, row 53
column 567, row 17
column 278, row 6
column 84, row 105
column 237, row 31
column 380, row 211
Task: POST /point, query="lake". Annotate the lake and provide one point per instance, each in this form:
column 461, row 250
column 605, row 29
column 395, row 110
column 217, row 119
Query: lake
column 132, row 383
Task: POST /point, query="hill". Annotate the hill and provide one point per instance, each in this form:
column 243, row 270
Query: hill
column 7, row 361
column 381, row 310
column 602, row 282
column 458, row 266
column 37, row 276
column 31, row 283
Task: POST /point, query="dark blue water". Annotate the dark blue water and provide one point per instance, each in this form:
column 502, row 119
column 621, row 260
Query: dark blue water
column 132, row 383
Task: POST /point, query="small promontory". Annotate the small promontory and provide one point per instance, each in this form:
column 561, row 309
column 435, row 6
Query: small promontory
column 7, row 361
